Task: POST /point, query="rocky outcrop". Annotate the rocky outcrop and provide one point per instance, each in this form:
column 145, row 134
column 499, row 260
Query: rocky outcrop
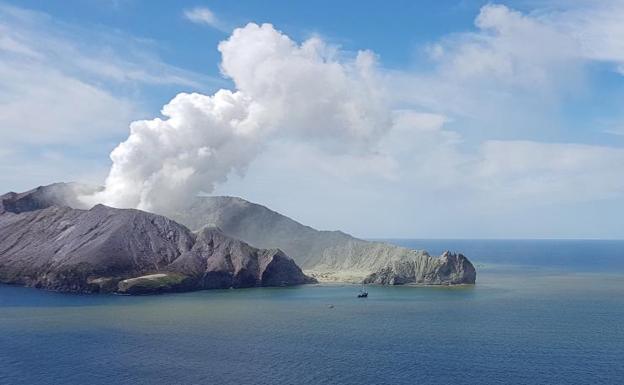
column 448, row 269
column 127, row 251
column 155, row 283
column 219, row 261
column 327, row 255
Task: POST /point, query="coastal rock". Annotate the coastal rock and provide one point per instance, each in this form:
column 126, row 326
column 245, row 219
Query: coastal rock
column 128, row 251
column 217, row 261
column 326, row 255
column 449, row 269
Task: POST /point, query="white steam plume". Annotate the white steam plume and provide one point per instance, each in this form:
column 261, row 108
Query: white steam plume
column 283, row 90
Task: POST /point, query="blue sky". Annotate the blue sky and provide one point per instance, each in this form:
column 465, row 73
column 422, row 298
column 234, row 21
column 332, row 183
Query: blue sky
column 491, row 120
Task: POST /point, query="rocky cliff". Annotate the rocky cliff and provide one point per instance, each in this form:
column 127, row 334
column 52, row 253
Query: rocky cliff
column 448, row 269
column 327, row 255
column 127, row 251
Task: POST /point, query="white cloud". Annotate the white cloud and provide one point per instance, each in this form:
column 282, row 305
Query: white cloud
column 596, row 27
column 92, row 55
column 57, row 90
column 510, row 48
column 502, row 172
column 40, row 105
column 546, row 173
column 322, row 110
column 309, row 122
column 615, row 131
column 203, row 15
column 516, row 68
column 428, row 182
column 509, row 78
column 69, row 91
column 312, row 89
column 510, row 74
column 23, row 170
column 305, row 92
column 42, row 101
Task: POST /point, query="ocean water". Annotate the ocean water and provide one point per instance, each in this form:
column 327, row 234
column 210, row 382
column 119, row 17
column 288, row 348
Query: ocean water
column 542, row 312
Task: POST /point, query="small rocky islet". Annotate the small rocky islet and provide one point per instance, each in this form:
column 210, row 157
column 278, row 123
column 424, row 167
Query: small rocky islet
column 48, row 241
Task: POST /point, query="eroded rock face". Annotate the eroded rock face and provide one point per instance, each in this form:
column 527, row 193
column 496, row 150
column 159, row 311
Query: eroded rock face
column 217, row 261
column 59, row 248
column 128, row 251
column 327, row 255
column 448, row 269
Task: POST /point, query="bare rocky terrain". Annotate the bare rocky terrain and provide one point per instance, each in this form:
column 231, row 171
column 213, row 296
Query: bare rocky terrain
column 48, row 240
column 125, row 251
column 327, row 255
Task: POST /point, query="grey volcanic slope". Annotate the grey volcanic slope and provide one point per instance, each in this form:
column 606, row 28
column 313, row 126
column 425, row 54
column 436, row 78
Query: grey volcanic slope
column 129, row 251
column 259, row 225
column 330, row 255
column 57, row 194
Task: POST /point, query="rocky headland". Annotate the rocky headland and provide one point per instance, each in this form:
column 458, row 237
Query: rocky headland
column 104, row 249
column 48, row 239
column 330, row 256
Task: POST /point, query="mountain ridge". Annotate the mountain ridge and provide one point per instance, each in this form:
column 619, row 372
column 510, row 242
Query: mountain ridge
column 327, row 255
column 129, row 251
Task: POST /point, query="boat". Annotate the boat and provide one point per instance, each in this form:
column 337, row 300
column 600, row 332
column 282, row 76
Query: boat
column 363, row 293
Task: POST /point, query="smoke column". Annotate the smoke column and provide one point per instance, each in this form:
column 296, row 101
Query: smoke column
column 308, row 92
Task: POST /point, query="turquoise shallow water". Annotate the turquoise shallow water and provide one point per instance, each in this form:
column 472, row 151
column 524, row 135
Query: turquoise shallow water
column 537, row 323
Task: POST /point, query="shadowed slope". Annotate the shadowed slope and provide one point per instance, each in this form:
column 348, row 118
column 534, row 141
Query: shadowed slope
column 107, row 249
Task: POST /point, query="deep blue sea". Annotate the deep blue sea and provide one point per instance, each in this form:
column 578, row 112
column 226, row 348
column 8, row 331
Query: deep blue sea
column 542, row 312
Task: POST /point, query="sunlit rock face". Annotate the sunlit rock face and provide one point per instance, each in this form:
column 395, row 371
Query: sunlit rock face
column 327, row 255
column 449, row 269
